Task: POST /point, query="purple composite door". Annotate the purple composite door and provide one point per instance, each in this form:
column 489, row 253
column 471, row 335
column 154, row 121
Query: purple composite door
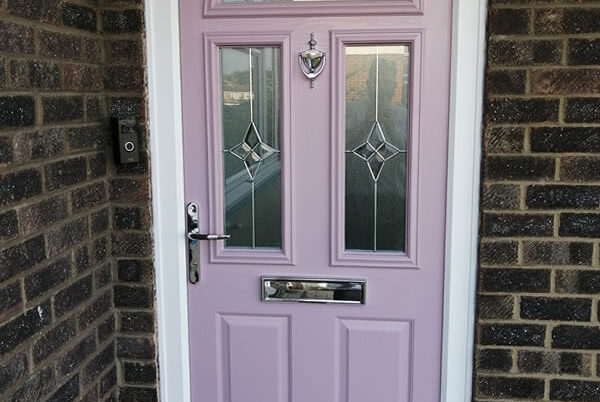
column 333, row 191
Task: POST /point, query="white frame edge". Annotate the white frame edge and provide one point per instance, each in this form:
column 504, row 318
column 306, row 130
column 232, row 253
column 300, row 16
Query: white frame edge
column 164, row 111
column 168, row 201
column 462, row 197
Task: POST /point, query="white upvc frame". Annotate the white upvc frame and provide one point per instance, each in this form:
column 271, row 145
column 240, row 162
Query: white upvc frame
column 164, row 103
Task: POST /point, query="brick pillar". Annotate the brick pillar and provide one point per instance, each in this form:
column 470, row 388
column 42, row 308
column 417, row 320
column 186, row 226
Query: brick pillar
column 538, row 333
column 122, row 24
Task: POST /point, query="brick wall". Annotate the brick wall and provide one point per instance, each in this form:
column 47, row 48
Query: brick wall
column 538, row 334
column 76, row 314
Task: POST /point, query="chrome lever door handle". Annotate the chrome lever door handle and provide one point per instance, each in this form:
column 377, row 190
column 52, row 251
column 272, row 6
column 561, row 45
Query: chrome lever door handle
column 194, row 235
column 193, row 248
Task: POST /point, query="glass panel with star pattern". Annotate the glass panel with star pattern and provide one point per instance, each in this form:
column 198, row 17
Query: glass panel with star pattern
column 250, row 94
column 376, row 95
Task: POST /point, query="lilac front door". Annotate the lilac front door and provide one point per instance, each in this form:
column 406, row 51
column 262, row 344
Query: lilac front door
column 317, row 183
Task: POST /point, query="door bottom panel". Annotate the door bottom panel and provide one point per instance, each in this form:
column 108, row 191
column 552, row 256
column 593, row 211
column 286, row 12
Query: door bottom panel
column 253, row 358
column 375, row 360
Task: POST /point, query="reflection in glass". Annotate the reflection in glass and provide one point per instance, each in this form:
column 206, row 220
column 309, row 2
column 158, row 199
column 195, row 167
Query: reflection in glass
column 376, row 89
column 251, row 157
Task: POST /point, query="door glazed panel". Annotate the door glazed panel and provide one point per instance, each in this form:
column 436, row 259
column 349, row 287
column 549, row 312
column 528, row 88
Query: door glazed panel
column 251, row 162
column 376, row 93
column 375, row 154
column 249, row 166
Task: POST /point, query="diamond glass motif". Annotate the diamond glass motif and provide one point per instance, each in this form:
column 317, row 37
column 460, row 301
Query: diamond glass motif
column 376, row 151
column 252, row 138
column 376, row 165
column 376, row 137
column 364, row 151
column 241, row 151
column 252, row 150
column 387, row 150
column 264, row 151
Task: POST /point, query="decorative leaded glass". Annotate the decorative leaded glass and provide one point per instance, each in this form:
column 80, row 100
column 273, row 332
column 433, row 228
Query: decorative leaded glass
column 250, row 102
column 376, row 86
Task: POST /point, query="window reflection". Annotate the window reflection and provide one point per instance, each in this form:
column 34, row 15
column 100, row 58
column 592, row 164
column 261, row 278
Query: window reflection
column 376, row 95
column 252, row 163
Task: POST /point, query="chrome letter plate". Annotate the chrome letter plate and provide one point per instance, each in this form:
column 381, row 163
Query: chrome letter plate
column 310, row 290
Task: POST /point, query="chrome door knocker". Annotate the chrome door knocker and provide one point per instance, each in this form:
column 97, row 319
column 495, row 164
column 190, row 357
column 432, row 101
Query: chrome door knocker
column 312, row 61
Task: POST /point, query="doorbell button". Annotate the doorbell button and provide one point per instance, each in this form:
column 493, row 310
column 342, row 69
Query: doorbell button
column 129, row 146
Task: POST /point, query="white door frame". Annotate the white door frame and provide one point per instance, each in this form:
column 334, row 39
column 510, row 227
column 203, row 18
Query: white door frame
column 164, row 105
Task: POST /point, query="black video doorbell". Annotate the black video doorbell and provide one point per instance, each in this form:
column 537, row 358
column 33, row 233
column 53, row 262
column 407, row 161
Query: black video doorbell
column 125, row 140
